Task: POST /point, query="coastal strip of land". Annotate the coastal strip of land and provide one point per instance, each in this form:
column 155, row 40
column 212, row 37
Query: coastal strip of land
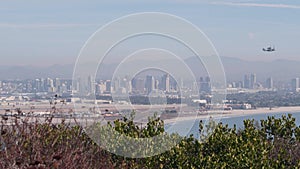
column 231, row 113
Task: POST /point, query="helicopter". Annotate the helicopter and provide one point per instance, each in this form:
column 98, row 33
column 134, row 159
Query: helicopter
column 269, row 49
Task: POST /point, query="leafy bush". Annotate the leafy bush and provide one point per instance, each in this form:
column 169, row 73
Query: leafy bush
column 272, row 144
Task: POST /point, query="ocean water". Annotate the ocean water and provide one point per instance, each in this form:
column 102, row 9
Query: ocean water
column 188, row 127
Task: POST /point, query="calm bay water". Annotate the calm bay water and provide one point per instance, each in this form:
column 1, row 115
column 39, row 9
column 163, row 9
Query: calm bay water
column 187, row 127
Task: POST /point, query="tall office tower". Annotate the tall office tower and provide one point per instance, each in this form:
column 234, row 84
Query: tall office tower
column 63, row 88
column 233, row 84
column 165, row 83
column 123, row 82
column 240, row 84
column 181, row 84
column 133, row 84
column 247, row 82
column 98, row 90
column 173, row 85
column 50, row 85
column 156, row 86
column 91, row 84
column 195, row 87
column 100, row 87
column 37, row 85
column 28, row 87
column 56, row 82
column 252, row 81
column 108, row 86
column 138, row 85
column 76, row 86
column 128, row 85
column 201, row 81
column 43, row 84
column 150, row 84
column 295, row 84
column 69, row 84
column 205, row 85
column 269, row 83
column 116, row 84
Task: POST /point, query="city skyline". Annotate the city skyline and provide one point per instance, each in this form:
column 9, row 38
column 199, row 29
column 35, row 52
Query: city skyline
column 235, row 69
column 140, row 85
column 150, row 84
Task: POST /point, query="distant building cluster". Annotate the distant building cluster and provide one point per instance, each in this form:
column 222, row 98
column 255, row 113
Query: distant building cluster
column 140, row 85
column 137, row 85
column 250, row 84
column 144, row 85
column 152, row 84
column 40, row 85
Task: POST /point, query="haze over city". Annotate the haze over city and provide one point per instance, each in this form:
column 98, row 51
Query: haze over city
column 46, row 33
column 150, row 84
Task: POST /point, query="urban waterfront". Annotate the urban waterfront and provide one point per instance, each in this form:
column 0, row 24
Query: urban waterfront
column 150, row 84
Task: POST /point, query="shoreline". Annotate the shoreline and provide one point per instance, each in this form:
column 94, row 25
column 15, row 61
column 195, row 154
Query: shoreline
column 232, row 113
column 188, row 114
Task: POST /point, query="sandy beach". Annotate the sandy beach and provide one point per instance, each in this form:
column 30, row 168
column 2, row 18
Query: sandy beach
column 142, row 114
column 232, row 113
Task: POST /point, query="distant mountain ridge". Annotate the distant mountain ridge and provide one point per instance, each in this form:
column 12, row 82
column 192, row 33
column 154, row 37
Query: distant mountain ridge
column 279, row 70
column 235, row 69
column 32, row 72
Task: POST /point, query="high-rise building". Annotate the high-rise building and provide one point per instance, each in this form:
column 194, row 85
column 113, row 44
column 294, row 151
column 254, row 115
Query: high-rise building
column 91, row 84
column 76, row 85
column 50, row 85
column 99, row 89
column 269, row 83
column 205, row 85
column 56, row 82
column 127, row 85
column 252, row 81
column 295, row 84
column 165, row 83
column 138, row 85
column 116, row 84
column 37, row 85
column 240, row 84
column 63, row 88
column 108, row 86
column 150, row 84
column 247, row 82
column 156, row 84
column 28, row 87
column 43, row 85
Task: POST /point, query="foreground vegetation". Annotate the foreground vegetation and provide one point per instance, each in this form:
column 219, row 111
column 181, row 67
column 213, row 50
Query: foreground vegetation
column 272, row 143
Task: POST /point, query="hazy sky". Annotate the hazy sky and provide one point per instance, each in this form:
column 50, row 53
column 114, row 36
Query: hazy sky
column 35, row 32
